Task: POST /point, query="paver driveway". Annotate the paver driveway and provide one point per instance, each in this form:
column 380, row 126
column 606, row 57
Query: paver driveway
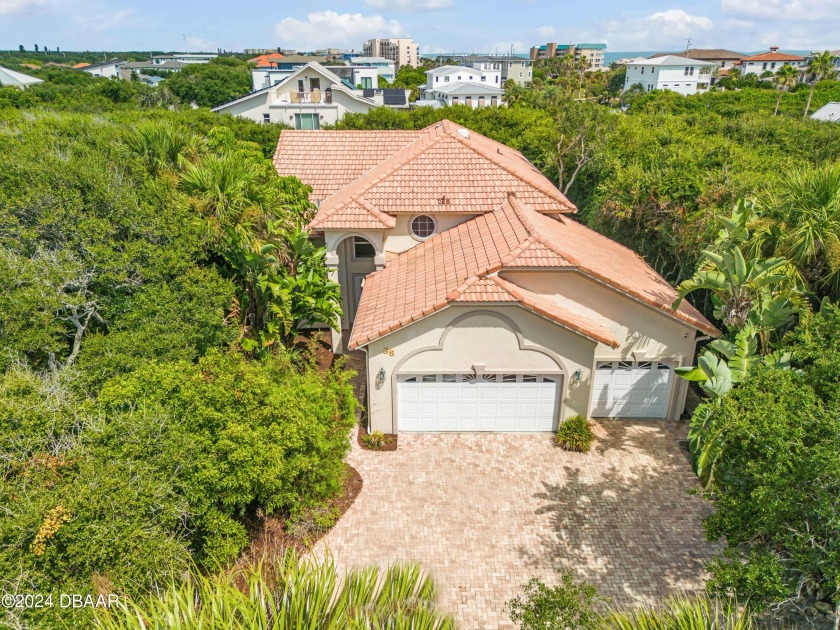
column 484, row 513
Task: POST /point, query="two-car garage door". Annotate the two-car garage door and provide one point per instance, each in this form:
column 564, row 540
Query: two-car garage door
column 466, row 402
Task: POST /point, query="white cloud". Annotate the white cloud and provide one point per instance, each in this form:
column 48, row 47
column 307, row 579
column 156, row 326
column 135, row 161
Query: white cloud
column 544, row 32
column 663, row 30
column 15, row 7
column 783, row 10
column 409, row 5
column 104, row 21
column 324, row 29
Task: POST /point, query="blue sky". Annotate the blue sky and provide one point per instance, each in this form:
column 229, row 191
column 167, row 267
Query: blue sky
column 438, row 25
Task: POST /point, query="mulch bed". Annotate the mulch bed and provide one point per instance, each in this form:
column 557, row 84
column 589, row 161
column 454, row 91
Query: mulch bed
column 270, row 540
column 390, row 441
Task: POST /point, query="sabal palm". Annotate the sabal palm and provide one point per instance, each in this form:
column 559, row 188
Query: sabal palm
column 159, row 146
column 785, row 78
column 227, row 190
column 822, row 67
column 292, row 595
column 804, row 225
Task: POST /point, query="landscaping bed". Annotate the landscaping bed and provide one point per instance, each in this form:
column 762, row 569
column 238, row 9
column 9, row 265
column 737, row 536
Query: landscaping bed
column 388, row 440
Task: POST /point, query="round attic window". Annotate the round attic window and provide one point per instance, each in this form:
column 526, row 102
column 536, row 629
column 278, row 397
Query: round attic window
column 422, row 226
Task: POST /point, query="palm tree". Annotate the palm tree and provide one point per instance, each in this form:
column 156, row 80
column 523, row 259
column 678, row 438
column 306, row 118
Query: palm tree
column 159, row 146
column 734, row 74
column 802, row 222
column 822, row 67
column 785, row 78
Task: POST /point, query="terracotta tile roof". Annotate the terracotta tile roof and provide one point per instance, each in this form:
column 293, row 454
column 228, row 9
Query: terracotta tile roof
column 445, row 169
column 459, row 265
column 773, row 56
column 357, row 214
column 330, row 160
column 263, row 61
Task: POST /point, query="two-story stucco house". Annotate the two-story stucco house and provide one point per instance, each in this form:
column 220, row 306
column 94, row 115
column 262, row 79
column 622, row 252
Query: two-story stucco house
column 669, row 72
column 770, row 62
column 463, row 85
column 481, row 304
column 308, row 97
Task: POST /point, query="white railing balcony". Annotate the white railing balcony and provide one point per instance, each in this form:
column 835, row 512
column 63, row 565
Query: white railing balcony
column 314, row 97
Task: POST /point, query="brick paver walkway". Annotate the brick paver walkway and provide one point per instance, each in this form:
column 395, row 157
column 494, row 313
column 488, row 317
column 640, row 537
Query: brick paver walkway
column 485, row 512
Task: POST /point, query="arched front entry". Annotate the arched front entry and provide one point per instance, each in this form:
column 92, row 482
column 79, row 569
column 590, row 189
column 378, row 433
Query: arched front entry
column 356, row 256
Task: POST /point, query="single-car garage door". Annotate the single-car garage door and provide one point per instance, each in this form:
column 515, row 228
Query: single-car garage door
column 631, row 389
column 465, row 402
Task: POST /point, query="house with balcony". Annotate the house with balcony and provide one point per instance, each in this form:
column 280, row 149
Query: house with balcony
column 270, row 70
column 672, row 73
column 307, row 98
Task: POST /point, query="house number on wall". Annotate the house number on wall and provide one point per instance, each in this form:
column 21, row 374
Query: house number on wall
column 388, row 351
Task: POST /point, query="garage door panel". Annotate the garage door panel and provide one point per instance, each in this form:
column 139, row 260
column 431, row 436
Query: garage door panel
column 490, row 403
column 631, row 390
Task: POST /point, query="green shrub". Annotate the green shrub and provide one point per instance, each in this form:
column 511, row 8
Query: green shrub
column 375, row 440
column 565, row 606
column 575, row 434
column 309, row 522
column 163, row 469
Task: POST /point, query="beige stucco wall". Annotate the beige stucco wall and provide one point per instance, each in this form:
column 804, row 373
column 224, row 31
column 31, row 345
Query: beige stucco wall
column 400, row 239
column 643, row 332
column 518, row 341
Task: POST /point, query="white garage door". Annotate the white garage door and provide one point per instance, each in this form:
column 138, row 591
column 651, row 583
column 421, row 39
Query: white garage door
column 464, row 402
column 625, row 389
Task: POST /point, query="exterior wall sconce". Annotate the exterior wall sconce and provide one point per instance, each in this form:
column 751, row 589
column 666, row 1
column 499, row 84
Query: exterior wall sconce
column 576, row 376
column 380, row 378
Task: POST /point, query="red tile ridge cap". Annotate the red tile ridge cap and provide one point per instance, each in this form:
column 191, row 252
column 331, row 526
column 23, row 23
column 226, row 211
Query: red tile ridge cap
column 522, row 214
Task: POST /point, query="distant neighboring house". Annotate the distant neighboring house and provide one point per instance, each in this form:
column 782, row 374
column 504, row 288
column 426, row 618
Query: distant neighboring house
column 385, row 67
column 271, row 71
column 16, row 79
column 480, row 303
column 724, row 59
column 462, row 85
column 307, row 98
column 80, row 65
column 184, row 58
column 769, row 62
column 594, row 53
column 361, row 77
column 131, row 67
column 676, row 74
column 517, row 69
column 108, row 69
column 266, row 59
column 830, row 112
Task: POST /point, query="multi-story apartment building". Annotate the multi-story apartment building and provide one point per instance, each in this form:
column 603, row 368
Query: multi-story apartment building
column 402, row 51
column 594, row 53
